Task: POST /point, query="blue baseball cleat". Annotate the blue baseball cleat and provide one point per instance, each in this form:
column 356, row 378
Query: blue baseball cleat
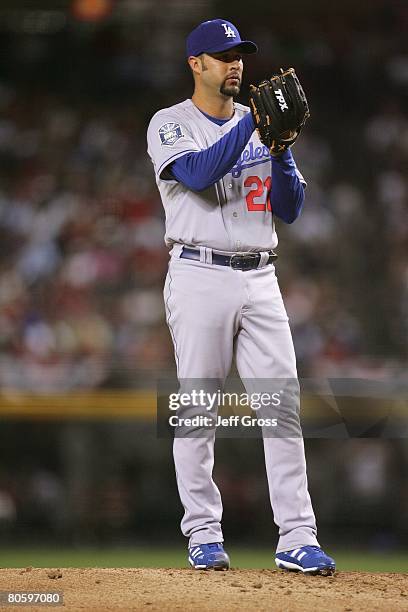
column 208, row 556
column 307, row 559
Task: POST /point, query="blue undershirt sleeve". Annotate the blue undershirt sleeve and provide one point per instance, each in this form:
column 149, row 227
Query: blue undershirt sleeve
column 200, row 170
column 287, row 193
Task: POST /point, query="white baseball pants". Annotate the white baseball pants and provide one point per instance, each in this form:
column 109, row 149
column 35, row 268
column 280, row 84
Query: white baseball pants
column 215, row 313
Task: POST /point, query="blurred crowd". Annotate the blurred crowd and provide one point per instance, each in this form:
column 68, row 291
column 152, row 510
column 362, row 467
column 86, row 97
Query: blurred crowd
column 81, row 223
column 82, row 249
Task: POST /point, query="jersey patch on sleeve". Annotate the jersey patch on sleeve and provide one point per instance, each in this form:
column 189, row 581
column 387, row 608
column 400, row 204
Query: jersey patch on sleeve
column 170, row 133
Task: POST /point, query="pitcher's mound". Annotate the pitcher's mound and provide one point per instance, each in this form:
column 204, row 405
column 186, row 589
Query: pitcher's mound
column 103, row 590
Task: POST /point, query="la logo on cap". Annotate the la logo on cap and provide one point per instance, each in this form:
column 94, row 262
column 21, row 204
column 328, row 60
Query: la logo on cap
column 229, row 32
column 216, row 36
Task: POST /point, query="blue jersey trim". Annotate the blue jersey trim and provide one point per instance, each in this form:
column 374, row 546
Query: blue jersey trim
column 214, row 119
column 237, row 170
column 172, row 158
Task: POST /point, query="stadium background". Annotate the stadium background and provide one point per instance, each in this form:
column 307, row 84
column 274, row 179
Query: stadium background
column 82, row 332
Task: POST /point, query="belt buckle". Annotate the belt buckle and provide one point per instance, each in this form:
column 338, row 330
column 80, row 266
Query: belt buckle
column 243, row 262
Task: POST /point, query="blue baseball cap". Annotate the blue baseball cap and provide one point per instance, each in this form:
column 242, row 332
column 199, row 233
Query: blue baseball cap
column 217, row 35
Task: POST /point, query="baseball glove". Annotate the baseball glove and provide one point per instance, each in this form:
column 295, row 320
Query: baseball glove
column 279, row 108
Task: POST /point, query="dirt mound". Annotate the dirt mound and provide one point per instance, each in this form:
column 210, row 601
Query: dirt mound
column 103, row 590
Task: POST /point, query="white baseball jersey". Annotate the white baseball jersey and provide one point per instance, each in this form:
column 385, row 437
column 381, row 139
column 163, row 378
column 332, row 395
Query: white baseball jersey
column 234, row 214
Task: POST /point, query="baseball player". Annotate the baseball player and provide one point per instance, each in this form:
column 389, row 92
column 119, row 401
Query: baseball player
column 221, row 188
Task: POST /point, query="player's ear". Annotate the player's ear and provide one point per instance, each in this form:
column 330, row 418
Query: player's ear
column 195, row 64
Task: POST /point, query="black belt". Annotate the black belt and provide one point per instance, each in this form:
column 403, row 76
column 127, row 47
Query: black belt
column 238, row 261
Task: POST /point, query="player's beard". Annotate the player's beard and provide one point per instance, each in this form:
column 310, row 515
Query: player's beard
column 230, row 90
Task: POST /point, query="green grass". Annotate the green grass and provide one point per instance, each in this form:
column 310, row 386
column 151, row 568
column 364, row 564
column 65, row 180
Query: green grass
column 166, row 557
